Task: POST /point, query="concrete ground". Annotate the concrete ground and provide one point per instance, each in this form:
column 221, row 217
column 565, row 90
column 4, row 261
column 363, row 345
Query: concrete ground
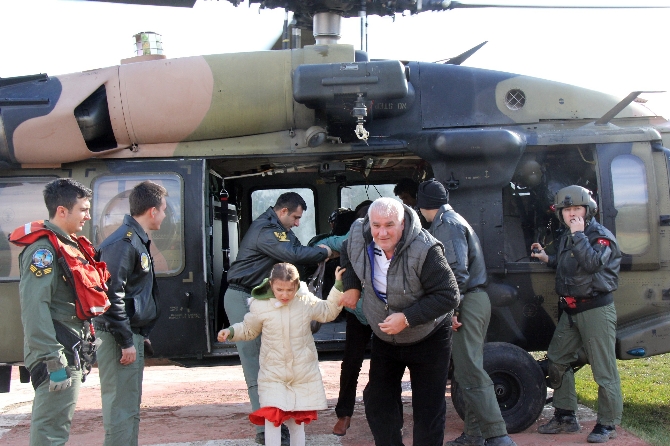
column 208, row 406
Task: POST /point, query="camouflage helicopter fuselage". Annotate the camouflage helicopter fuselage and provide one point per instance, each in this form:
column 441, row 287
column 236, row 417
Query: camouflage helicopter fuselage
column 503, row 143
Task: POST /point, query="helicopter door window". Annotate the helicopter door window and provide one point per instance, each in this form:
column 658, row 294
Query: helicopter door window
column 110, row 204
column 631, row 200
column 262, row 199
column 352, row 196
column 20, row 203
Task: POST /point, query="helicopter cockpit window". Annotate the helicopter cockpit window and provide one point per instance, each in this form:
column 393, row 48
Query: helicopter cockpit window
column 527, row 200
column 352, row 196
column 631, row 200
column 262, row 199
column 20, row 202
column 110, row 204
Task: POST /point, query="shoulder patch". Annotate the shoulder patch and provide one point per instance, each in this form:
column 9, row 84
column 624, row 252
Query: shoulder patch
column 41, row 262
column 603, row 241
column 144, row 261
column 281, row 236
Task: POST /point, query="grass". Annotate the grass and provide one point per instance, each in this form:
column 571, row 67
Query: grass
column 645, row 384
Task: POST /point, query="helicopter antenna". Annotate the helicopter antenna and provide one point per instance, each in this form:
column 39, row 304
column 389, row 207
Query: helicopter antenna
column 607, row 117
column 463, row 56
column 285, row 40
column 364, row 26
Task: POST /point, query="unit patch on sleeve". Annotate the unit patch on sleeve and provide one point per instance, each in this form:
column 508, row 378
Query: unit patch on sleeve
column 41, row 262
column 281, row 236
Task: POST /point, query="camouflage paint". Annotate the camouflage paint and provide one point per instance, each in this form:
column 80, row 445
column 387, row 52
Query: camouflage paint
column 547, row 100
column 56, row 138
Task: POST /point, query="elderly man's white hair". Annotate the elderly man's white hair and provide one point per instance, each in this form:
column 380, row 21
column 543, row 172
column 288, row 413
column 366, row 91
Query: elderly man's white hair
column 387, row 207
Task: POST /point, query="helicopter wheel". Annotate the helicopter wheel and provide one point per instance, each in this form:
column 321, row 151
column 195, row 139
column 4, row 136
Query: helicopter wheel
column 518, row 381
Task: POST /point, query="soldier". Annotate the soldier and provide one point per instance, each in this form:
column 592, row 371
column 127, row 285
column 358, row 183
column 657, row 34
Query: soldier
column 269, row 240
column 48, row 308
column 133, row 293
column 406, row 190
column 587, row 272
column 484, row 425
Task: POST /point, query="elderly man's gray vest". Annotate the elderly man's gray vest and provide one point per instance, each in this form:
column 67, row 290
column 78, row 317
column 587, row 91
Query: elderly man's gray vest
column 403, row 281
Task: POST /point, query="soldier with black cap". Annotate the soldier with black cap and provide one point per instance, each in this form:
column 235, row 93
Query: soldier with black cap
column 484, row 425
column 587, row 272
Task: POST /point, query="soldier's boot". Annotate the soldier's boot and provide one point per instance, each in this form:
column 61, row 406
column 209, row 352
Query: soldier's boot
column 601, row 433
column 503, row 440
column 564, row 421
column 466, row 440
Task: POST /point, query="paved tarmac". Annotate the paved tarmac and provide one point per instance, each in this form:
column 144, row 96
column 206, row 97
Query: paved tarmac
column 208, row 406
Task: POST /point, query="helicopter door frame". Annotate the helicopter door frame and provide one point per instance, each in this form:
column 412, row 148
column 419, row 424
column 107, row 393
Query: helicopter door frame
column 634, row 170
column 181, row 329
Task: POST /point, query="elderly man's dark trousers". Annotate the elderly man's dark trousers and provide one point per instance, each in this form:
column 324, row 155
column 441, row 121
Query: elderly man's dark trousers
column 428, row 364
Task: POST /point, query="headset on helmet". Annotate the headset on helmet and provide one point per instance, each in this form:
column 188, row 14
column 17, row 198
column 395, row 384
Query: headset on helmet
column 574, row 196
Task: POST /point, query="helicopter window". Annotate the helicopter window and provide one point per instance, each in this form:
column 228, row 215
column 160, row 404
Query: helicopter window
column 527, row 200
column 262, row 199
column 20, row 203
column 631, row 200
column 352, row 196
column 110, row 204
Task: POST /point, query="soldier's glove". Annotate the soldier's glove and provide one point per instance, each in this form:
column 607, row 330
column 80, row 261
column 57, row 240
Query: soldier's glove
column 59, row 380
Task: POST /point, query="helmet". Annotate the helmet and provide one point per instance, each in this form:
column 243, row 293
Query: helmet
column 574, row 196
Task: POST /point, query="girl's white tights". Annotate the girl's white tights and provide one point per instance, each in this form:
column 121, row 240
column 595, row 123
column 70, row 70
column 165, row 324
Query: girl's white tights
column 273, row 434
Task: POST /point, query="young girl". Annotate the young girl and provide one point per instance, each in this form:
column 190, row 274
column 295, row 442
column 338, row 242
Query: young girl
column 289, row 381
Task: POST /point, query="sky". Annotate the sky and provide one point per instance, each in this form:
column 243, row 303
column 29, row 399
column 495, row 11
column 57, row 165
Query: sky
column 611, row 50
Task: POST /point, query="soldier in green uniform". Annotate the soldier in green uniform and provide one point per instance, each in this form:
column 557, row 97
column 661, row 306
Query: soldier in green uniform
column 133, row 294
column 587, row 263
column 47, row 302
column 484, row 424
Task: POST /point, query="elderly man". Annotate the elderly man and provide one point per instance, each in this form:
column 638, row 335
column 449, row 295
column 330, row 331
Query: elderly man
column 483, row 422
column 409, row 293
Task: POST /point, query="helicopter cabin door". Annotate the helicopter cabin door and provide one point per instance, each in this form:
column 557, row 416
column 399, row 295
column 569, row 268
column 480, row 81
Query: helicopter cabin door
column 629, row 201
column 177, row 247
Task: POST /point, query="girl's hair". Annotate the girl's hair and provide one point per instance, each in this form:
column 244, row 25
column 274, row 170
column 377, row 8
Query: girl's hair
column 284, row 271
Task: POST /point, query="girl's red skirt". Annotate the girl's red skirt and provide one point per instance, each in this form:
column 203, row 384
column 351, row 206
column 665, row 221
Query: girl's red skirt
column 278, row 416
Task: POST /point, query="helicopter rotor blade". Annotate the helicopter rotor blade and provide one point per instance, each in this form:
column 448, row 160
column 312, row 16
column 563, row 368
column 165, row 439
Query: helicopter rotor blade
column 561, row 5
column 175, row 3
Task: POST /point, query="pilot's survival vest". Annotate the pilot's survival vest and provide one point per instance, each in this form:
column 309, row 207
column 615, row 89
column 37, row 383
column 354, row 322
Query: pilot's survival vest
column 87, row 276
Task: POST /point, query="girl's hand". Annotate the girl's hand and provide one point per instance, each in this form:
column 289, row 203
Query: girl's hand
column 339, row 272
column 223, row 335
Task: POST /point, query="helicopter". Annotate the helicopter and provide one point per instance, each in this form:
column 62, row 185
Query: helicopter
column 227, row 133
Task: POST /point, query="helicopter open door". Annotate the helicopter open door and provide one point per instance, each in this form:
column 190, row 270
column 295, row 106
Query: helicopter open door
column 222, row 254
column 177, row 248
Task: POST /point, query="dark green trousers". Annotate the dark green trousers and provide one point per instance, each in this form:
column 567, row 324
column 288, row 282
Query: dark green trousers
column 52, row 413
column 595, row 330
column 482, row 413
column 121, row 388
column 237, row 305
